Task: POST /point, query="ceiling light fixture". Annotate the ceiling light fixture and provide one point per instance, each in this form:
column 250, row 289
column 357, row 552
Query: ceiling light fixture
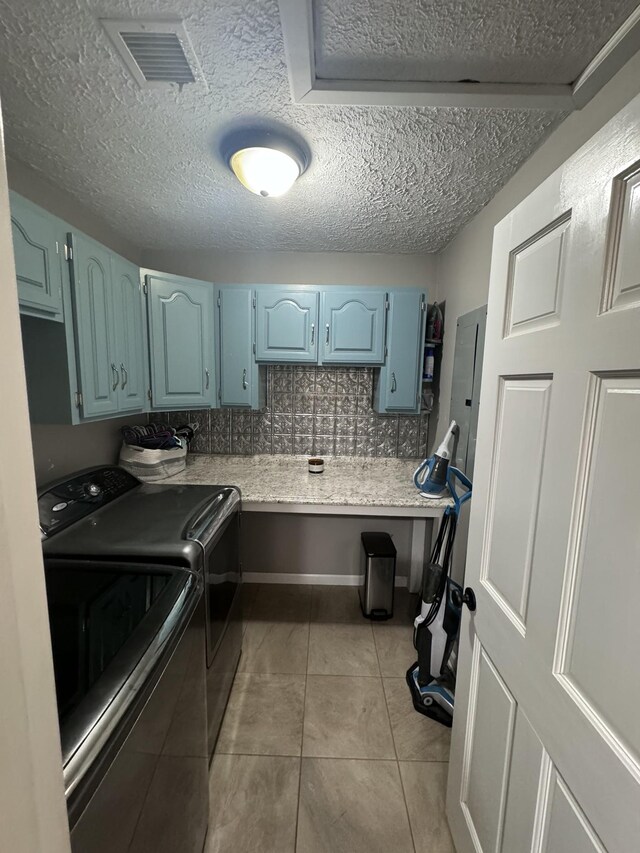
column 264, row 163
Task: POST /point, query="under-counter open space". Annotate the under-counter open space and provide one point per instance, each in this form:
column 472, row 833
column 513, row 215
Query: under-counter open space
column 320, row 748
column 302, row 527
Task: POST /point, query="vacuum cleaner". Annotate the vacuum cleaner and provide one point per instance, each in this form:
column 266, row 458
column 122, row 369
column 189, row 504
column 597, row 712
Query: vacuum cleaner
column 431, row 679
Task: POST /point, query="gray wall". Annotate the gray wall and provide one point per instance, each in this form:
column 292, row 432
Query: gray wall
column 316, row 544
column 318, row 268
column 58, row 450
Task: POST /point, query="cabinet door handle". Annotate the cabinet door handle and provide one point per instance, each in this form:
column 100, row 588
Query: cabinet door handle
column 125, row 374
column 394, row 384
column 313, row 333
column 326, row 340
column 116, row 376
column 244, row 379
column 206, row 387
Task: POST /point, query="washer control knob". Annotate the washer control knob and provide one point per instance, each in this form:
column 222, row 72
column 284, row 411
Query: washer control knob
column 93, row 489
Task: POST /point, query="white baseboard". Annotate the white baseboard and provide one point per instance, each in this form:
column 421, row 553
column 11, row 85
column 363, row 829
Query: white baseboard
column 315, row 580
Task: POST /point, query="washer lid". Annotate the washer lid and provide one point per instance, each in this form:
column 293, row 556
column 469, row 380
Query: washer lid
column 146, row 523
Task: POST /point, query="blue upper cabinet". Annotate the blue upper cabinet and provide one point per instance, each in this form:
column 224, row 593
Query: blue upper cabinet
column 239, row 375
column 98, row 369
column 130, row 344
column 353, row 326
column 286, row 325
column 37, row 246
column 181, row 341
column 400, row 380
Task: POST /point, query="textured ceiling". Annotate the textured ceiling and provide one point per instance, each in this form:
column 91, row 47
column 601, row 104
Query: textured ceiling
column 381, row 179
column 519, row 41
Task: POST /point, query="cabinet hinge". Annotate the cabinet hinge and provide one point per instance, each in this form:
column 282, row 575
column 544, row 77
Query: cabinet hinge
column 386, row 304
column 253, row 301
column 386, row 351
column 423, row 305
column 78, row 396
column 149, row 393
column 68, row 252
column 219, row 301
column 145, row 289
column 254, row 349
column 219, row 395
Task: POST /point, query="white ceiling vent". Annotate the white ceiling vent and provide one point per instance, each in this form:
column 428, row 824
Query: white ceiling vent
column 157, row 53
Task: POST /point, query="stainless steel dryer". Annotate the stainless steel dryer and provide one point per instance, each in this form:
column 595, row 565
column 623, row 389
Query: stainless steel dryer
column 105, row 513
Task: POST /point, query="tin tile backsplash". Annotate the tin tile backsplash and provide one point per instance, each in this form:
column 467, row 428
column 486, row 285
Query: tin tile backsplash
column 310, row 410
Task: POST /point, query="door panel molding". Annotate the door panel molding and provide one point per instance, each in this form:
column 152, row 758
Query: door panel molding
column 603, row 497
column 193, row 322
column 517, row 457
column 528, row 307
column 41, row 252
column 622, row 265
column 36, row 249
column 182, row 341
column 565, row 821
column 524, row 791
column 483, row 810
column 93, row 296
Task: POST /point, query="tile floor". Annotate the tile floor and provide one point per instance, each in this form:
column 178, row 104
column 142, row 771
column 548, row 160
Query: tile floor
column 321, row 750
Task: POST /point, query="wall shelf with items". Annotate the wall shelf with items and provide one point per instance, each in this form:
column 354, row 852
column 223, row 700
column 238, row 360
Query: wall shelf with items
column 431, row 357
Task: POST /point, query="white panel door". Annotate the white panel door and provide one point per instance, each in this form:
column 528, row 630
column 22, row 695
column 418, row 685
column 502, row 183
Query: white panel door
column 546, row 740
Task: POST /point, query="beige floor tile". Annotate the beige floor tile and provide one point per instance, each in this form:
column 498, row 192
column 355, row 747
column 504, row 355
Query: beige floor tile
column 342, row 650
column 336, row 604
column 405, row 607
column 277, row 647
column 425, row 787
column 394, row 645
column 416, row 737
column 346, row 718
column 278, row 602
column 254, row 804
column 352, row 807
column 264, row 715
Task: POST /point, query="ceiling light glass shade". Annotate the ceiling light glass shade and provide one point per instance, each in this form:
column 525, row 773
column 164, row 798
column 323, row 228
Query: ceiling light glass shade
column 265, row 171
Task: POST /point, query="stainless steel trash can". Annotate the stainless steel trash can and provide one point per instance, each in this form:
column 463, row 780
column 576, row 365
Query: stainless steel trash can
column 378, row 569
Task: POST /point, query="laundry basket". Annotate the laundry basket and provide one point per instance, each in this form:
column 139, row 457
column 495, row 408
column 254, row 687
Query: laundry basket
column 152, row 465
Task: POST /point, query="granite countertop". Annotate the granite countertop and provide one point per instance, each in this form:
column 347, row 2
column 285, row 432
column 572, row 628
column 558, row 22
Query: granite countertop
column 284, row 479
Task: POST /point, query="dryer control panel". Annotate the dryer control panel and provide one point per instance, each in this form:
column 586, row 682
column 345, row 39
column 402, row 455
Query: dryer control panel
column 66, row 501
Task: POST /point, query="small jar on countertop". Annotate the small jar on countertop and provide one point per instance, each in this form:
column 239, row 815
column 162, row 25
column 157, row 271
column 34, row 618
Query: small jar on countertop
column 316, row 465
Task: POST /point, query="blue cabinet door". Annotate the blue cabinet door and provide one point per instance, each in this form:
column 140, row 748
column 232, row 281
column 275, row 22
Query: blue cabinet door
column 400, row 380
column 237, row 370
column 95, row 334
column 37, row 247
column 128, row 321
column 353, row 326
column 286, row 325
column 181, row 330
